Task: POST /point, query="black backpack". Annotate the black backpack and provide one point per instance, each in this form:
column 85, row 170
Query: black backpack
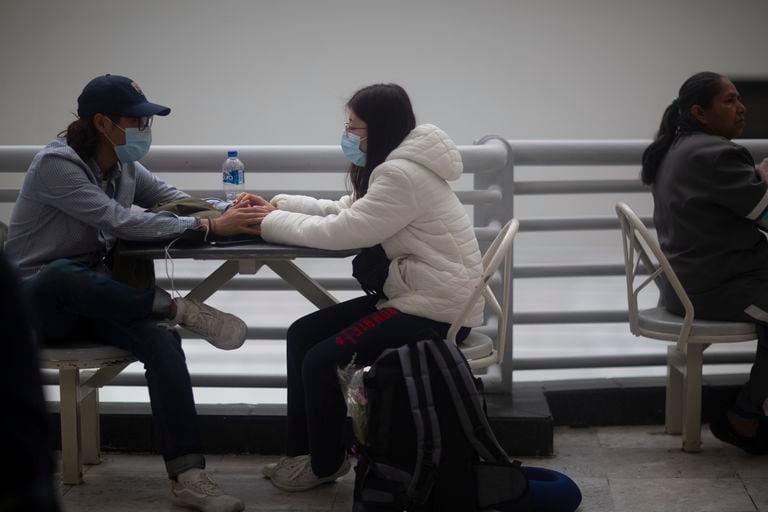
column 429, row 445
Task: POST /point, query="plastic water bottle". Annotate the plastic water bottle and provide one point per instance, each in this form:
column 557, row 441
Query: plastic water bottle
column 233, row 175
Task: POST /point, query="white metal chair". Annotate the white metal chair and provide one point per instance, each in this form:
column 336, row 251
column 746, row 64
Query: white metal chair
column 479, row 348
column 79, row 400
column 691, row 336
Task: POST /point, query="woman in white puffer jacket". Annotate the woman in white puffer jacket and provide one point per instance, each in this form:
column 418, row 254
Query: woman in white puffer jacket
column 401, row 200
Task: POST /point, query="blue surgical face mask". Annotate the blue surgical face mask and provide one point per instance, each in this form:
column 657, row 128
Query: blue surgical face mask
column 136, row 145
column 350, row 145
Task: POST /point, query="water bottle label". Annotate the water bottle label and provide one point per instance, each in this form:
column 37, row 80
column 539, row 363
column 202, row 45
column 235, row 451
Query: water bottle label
column 233, row 177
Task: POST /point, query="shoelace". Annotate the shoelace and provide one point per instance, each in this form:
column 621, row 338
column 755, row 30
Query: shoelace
column 296, row 467
column 206, row 321
column 204, row 485
column 284, row 460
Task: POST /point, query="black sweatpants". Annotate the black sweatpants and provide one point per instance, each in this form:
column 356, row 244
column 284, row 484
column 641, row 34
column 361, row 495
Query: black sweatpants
column 318, row 344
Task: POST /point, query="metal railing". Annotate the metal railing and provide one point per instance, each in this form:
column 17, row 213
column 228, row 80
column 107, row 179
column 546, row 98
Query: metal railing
column 491, row 161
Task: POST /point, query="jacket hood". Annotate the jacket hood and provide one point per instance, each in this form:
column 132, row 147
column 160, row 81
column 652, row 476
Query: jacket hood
column 429, row 146
column 60, row 148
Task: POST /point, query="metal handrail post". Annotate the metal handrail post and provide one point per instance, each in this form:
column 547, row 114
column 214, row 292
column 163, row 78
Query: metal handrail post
column 497, row 214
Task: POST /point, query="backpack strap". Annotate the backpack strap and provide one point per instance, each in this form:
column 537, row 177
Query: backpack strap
column 412, row 488
column 469, row 406
column 413, row 361
column 498, row 480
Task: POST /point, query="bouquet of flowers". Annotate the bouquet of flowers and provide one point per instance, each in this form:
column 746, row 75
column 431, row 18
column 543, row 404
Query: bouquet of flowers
column 353, row 390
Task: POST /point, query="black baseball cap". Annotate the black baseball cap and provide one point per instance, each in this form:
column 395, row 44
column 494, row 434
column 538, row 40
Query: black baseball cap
column 116, row 95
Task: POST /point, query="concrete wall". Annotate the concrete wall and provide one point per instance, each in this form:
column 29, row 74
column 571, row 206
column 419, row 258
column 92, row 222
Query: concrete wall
column 278, row 72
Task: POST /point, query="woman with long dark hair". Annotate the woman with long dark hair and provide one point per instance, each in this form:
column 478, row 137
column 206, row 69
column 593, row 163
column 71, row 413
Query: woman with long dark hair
column 400, row 199
column 710, row 205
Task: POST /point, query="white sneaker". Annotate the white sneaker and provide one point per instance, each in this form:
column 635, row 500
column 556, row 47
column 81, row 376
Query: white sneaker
column 194, row 489
column 295, row 474
column 268, row 469
column 222, row 330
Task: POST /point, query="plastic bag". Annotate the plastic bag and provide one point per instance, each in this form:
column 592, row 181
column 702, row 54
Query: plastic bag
column 356, row 397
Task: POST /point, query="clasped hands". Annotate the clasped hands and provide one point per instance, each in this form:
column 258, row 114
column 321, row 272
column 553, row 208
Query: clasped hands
column 243, row 217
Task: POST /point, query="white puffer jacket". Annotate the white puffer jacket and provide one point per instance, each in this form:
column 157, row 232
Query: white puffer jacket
column 413, row 213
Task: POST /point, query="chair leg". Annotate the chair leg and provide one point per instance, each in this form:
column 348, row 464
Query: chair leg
column 69, row 383
column 673, row 412
column 91, row 431
column 692, row 385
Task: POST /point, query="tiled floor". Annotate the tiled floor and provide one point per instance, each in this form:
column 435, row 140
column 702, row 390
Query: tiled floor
column 619, row 469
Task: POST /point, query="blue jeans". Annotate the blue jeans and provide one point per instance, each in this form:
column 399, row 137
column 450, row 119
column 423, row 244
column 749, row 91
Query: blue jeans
column 70, row 301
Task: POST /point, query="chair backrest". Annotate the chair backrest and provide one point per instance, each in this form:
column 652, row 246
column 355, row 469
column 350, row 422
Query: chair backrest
column 641, row 247
column 499, row 251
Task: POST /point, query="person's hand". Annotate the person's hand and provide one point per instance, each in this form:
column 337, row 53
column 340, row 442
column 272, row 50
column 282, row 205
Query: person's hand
column 263, row 211
column 236, row 221
column 245, row 199
column 762, row 169
column 260, row 214
column 267, row 208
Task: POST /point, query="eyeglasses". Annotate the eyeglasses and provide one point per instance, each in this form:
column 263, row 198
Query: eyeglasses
column 145, row 122
column 348, row 128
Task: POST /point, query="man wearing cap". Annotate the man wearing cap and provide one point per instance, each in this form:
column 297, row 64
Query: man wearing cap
column 74, row 204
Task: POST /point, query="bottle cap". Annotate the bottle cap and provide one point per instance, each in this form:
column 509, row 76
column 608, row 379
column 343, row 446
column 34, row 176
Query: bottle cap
column 232, row 153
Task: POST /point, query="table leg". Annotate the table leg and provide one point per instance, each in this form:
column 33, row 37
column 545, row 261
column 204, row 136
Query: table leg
column 304, row 284
column 216, row 280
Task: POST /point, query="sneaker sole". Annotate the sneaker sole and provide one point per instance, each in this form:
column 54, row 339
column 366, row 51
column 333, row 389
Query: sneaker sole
column 321, row 481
